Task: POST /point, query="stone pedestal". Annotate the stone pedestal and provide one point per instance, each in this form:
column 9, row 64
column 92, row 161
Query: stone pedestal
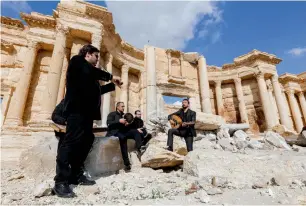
column 294, row 109
column 280, row 102
column 242, row 108
column 18, row 102
column 54, row 74
column 204, row 86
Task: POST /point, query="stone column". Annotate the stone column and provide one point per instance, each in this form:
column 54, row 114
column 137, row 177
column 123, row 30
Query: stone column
column 62, row 86
column 266, row 104
column 295, row 110
column 204, row 86
column 96, row 42
column 124, row 87
column 169, row 62
column 272, row 102
column 107, row 96
column 242, row 107
column 219, row 98
column 151, row 93
column 55, row 70
column 182, row 62
column 280, row 102
column 19, row 99
column 303, row 103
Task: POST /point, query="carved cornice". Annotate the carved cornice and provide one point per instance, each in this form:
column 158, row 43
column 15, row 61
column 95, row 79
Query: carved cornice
column 213, row 68
column 287, row 77
column 174, row 53
column 250, row 58
column 7, row 46
column 132, row 50
column 40, row 20
column 11, row 22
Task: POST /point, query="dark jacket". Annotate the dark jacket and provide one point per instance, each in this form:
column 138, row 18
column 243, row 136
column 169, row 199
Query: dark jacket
column 113, row 124
column 83, row 91
column 137, row 123
column 191, row 117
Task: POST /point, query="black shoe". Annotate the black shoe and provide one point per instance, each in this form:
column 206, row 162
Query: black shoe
column 82, row 181
column 127, row 168
column 63, row 190
column 170, row 149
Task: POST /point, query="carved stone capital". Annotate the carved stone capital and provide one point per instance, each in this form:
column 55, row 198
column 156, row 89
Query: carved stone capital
column 260, row 75
column 237, row 81
column 109, row 58
column 218, row 83
column 33, row 44
column 60, row 28
column 290, row 92
column 125, row 68
column 275, row 78
column 300, row 94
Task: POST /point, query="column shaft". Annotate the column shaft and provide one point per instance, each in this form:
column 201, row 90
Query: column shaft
column 272, row 102
column 280, row 102
column 124, row 87
column 19, row 99
column 62, row 86
column 303, row 103
column 294, row 109
column 242, row 107
column 107, row 96
column 151, row 92
column 264, row 96
column 204, row 86
column 54, row 74
column 219, row 98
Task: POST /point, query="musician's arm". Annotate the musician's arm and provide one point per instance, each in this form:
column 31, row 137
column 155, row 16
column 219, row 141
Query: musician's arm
column 193, row 119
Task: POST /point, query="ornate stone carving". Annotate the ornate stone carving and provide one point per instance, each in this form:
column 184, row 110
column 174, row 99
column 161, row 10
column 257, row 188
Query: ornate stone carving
column 260, row 75
column 39, row 20
column 63, row 29
column 289, row 92
column 12, row 22
column 274, row 78
column 237, row 81
column 125, row 68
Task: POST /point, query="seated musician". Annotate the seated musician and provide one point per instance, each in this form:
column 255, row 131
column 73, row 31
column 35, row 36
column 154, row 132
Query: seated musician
column 139, row 125
column 119, row 127
column 186, row 130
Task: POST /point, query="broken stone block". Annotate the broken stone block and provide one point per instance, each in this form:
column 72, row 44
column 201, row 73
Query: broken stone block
column 276, row 140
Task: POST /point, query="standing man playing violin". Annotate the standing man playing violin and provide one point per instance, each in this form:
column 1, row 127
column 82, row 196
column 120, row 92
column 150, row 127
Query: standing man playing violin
column 81, row 106
column 186, row 130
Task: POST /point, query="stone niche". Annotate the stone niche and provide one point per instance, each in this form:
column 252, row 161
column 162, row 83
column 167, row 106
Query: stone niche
column 38, row 87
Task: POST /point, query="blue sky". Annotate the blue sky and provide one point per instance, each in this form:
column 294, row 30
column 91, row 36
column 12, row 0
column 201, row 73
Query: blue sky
column 219, row 30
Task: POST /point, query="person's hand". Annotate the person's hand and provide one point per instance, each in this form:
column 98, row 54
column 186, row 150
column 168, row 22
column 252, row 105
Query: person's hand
column 122, row 121
column 140, row 131
column 117, row 81
column 171, row 121
column 184, row 124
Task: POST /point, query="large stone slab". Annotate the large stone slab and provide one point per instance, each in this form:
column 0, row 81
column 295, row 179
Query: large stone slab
column 243, row 170
column 105, row 156
column 208, row 121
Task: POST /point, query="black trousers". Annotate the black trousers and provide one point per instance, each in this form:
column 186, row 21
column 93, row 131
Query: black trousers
column 74, row 148
column 182, row 133
column 123, row 137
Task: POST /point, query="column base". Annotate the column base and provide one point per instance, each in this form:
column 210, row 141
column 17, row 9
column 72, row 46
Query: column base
column 13, row 122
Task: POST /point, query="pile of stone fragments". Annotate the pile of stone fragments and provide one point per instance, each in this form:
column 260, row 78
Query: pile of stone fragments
column 226, row 167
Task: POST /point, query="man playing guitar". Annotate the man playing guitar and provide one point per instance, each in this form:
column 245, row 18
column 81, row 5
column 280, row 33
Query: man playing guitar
column 186, row 129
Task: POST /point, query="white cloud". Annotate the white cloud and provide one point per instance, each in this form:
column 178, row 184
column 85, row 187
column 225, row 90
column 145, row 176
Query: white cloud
column 179, row 103
column 297, row 51
column 165, row 24
column 16, row 7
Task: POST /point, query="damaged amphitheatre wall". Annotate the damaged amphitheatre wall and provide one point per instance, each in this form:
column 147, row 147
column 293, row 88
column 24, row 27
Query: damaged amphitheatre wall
column 34, row 59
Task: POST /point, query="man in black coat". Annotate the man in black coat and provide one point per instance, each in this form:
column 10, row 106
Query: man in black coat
column 80, row 107
column 139, row 125
column 118, row 127
column 187, row 128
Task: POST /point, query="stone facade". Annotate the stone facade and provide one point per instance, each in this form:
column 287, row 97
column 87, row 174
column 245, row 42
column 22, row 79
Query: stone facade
column 34, row 59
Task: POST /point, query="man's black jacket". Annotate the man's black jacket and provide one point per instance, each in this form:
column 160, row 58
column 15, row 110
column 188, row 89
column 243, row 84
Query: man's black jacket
column 137, row 123
column 83, row 91
column 191, row 117
column 113, row 124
